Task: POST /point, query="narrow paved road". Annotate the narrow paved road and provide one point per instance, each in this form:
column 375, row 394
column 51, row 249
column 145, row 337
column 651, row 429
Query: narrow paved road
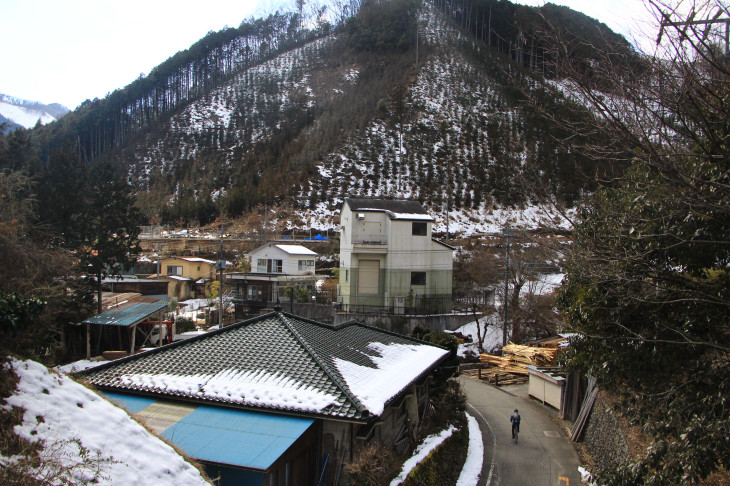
column 544, row 456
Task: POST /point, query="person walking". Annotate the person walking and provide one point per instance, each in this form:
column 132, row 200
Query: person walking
column 515, row 419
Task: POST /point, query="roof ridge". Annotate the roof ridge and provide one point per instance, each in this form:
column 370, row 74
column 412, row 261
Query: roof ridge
column 325, row 367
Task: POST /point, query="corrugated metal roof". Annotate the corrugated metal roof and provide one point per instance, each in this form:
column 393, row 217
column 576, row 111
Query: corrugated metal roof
column 224, row 436
column 277, row 361
column 128, row 315
column 236, row 437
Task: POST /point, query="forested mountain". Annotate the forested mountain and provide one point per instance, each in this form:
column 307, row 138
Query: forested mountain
column 397, row 99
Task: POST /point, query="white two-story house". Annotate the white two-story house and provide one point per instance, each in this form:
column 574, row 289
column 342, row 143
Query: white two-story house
column 388, row 259
column 275, row 267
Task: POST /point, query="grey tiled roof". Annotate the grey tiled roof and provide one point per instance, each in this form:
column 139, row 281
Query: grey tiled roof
column 281, row 344
column 394, row 205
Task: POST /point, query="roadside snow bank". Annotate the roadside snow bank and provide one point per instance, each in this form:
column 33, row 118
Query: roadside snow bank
column 473, row 466
column 425, row 448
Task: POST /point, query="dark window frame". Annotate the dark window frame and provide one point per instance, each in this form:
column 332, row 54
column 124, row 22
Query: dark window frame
column 419, row 228
column 418, row 278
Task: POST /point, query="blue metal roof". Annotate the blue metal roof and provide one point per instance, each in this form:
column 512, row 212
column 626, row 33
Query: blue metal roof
column 131, row 403
column 226, row 436
column 128, row 315
column 236, row 437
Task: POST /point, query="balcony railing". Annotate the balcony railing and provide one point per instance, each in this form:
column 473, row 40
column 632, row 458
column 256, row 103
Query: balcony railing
column 370, row 240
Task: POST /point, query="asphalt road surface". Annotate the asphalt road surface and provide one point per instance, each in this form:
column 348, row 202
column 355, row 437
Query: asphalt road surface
column 543, row 455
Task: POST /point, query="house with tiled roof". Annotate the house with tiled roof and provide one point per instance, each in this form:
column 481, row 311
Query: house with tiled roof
column 389, row 259
column 278, row 399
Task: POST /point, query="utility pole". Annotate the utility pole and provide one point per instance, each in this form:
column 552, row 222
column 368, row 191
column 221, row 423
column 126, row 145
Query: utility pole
column 508, row 234
column 690, row 22
column 220, row 265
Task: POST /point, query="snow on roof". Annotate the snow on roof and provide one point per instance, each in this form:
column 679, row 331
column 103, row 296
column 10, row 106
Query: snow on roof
column 280, row 361
column 257, row 388
column 392, row 205
column 411, row 216
column 397, row 366
column 296, row 250
column 177, row 277
column 68, row 416
column 196, row 260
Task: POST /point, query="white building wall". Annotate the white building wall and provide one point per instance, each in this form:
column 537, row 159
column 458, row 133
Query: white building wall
column 290, row 263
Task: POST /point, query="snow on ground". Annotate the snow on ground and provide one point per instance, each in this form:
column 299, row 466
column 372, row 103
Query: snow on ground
column 257, row 388
column 77, row 366
column 425, row 448
column 68, row 416
column 492, row 340
column 473, row 465
column 545, row 284
column 397, row 366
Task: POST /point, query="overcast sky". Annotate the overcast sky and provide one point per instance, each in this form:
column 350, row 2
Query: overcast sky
column 67, row 51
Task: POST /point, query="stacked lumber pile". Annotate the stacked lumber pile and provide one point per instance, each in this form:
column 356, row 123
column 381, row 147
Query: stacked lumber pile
column 510, row 369
column 530, row 355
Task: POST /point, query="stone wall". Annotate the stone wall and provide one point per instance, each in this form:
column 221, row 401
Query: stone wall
column 603, row 438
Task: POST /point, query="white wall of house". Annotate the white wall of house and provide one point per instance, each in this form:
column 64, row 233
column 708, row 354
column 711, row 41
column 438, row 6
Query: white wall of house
column 382, row 258
column 272, row 259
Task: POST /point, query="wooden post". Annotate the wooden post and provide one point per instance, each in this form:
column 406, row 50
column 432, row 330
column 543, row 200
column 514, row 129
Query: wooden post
column 131, row 341
column 88, row 341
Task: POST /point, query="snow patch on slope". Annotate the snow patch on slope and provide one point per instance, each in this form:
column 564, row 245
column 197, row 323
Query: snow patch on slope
column 26, row 117
column 68, row 416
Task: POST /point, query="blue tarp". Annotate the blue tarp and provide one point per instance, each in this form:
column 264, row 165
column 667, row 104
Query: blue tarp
column 225, row 436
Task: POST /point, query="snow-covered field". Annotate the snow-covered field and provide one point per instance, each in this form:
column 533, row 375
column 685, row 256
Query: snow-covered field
column 86, row 438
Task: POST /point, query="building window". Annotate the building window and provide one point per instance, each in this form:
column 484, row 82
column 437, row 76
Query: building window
column 347, row 275
column 419, row 228
column 261, row 265
column 418, row 278
column 303, row 264
column 275, row 266
column 255, row 292
column 174, row 270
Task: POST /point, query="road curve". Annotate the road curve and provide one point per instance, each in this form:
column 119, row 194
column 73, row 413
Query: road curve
column 544, row 455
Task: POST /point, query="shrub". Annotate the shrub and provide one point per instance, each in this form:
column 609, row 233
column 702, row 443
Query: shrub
column 376, row 465
column 184, row 324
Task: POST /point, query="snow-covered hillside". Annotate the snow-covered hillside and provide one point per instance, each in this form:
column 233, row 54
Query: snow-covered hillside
column 28, row 113
column 322, row 122
column 86, row 439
